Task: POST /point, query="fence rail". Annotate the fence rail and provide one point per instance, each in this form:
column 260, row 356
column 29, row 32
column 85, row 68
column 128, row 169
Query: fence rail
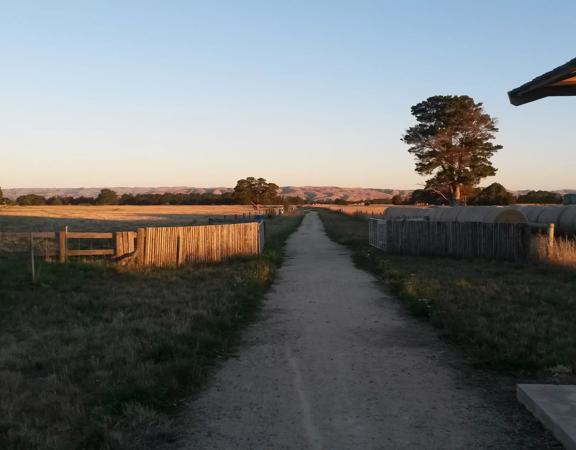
column 162, row 246
column 505, row 241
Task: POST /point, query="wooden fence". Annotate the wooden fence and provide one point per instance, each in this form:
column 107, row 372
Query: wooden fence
column 503, row 241
column 56, row 244
column 169, row 246
column 164, row 246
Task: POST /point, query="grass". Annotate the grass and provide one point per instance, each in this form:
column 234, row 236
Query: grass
column 563, row 252
column 109, row 217
column 368, row 210
column 99, row 357
column 517, row 318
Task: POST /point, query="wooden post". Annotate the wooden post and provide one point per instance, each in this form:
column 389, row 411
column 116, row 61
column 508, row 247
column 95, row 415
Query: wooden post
column 550, row 239
column 139, row 251
column 527, row 241
column 32, row 267
column 117, row 244
column 63, row 235
column 179, row 249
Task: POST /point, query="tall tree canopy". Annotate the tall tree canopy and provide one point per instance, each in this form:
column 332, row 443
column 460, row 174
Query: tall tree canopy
column 427, row 197
column 452, row 142
column 256, row 191
column 495, row 194
column 106, row 197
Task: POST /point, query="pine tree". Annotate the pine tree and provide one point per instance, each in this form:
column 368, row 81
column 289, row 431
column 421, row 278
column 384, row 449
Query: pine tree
column 452, row 142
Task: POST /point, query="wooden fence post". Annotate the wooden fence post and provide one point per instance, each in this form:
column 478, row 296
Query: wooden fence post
column 261, row 236
column 32, row 266
column 550, row 239
column 527, row 241
column 117, row 244
column 140, row 249
column 179, row 249
column 63, row 236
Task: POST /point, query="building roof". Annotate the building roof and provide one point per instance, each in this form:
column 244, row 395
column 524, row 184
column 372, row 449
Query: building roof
column 558, row 82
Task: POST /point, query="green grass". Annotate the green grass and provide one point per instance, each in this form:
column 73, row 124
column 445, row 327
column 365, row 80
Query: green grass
column 96, row 356
column 519, row 318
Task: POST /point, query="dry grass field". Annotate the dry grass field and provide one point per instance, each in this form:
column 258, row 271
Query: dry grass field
column 110, row 218
column 370, row 210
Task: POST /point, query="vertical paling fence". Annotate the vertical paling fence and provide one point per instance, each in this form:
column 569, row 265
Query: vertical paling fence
column 377, row 233
column 505, row 241
column 261, row 237
column 124, row 243
column 169, row 246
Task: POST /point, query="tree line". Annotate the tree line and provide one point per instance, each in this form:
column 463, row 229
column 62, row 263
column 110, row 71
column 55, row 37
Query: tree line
column 255, row 191
column 259, row 191
column 494, row 194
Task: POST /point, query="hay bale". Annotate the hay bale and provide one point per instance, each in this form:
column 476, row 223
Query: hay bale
column 532, row 212
column 406, row 212
column 445, row 214
column 484, row 214
column 551, row 214
column 491, row 214
column 567, row 221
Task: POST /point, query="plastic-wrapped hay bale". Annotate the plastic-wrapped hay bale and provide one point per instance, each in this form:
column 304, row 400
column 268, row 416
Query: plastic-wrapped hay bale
column 564, row 217
column 567, row 221
column 445, row 214
column 406, row 212
column 484, row 214
column 532, row 212
column 491, row 214
column 551, row 214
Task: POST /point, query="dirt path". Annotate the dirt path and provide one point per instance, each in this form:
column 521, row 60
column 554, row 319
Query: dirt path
column 336, row 364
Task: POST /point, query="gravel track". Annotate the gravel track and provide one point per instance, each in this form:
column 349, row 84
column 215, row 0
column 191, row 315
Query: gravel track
column 335, row 363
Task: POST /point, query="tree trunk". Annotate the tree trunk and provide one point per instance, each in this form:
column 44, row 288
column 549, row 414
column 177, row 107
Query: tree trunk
column 455, row 194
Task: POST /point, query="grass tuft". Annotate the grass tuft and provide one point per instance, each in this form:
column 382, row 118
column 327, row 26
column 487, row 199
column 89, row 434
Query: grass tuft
column 563, row 252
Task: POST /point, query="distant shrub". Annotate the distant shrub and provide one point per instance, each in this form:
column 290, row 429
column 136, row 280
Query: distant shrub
column 495, row 194
column 545, row 197
column 55, row 201
column 107, row 197
column 426, row 196
column 31, row 200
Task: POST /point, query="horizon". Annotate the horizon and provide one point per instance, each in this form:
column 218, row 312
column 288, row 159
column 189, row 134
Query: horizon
column 280, row 186
column 305, row 94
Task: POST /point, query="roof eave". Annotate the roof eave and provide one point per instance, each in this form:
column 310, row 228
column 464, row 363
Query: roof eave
column 527, row 96
column 540, row 87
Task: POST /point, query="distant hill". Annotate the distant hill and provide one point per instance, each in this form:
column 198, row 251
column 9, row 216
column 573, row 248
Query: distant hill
column 319, row 193
column 93, row 192
column 311, row 193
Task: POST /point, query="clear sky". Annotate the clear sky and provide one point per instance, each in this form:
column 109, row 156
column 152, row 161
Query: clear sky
column 302, row 92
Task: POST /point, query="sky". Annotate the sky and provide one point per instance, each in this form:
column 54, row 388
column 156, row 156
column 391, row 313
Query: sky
column 301, row 92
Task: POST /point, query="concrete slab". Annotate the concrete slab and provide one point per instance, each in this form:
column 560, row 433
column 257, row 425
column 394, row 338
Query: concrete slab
column 554, row 406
